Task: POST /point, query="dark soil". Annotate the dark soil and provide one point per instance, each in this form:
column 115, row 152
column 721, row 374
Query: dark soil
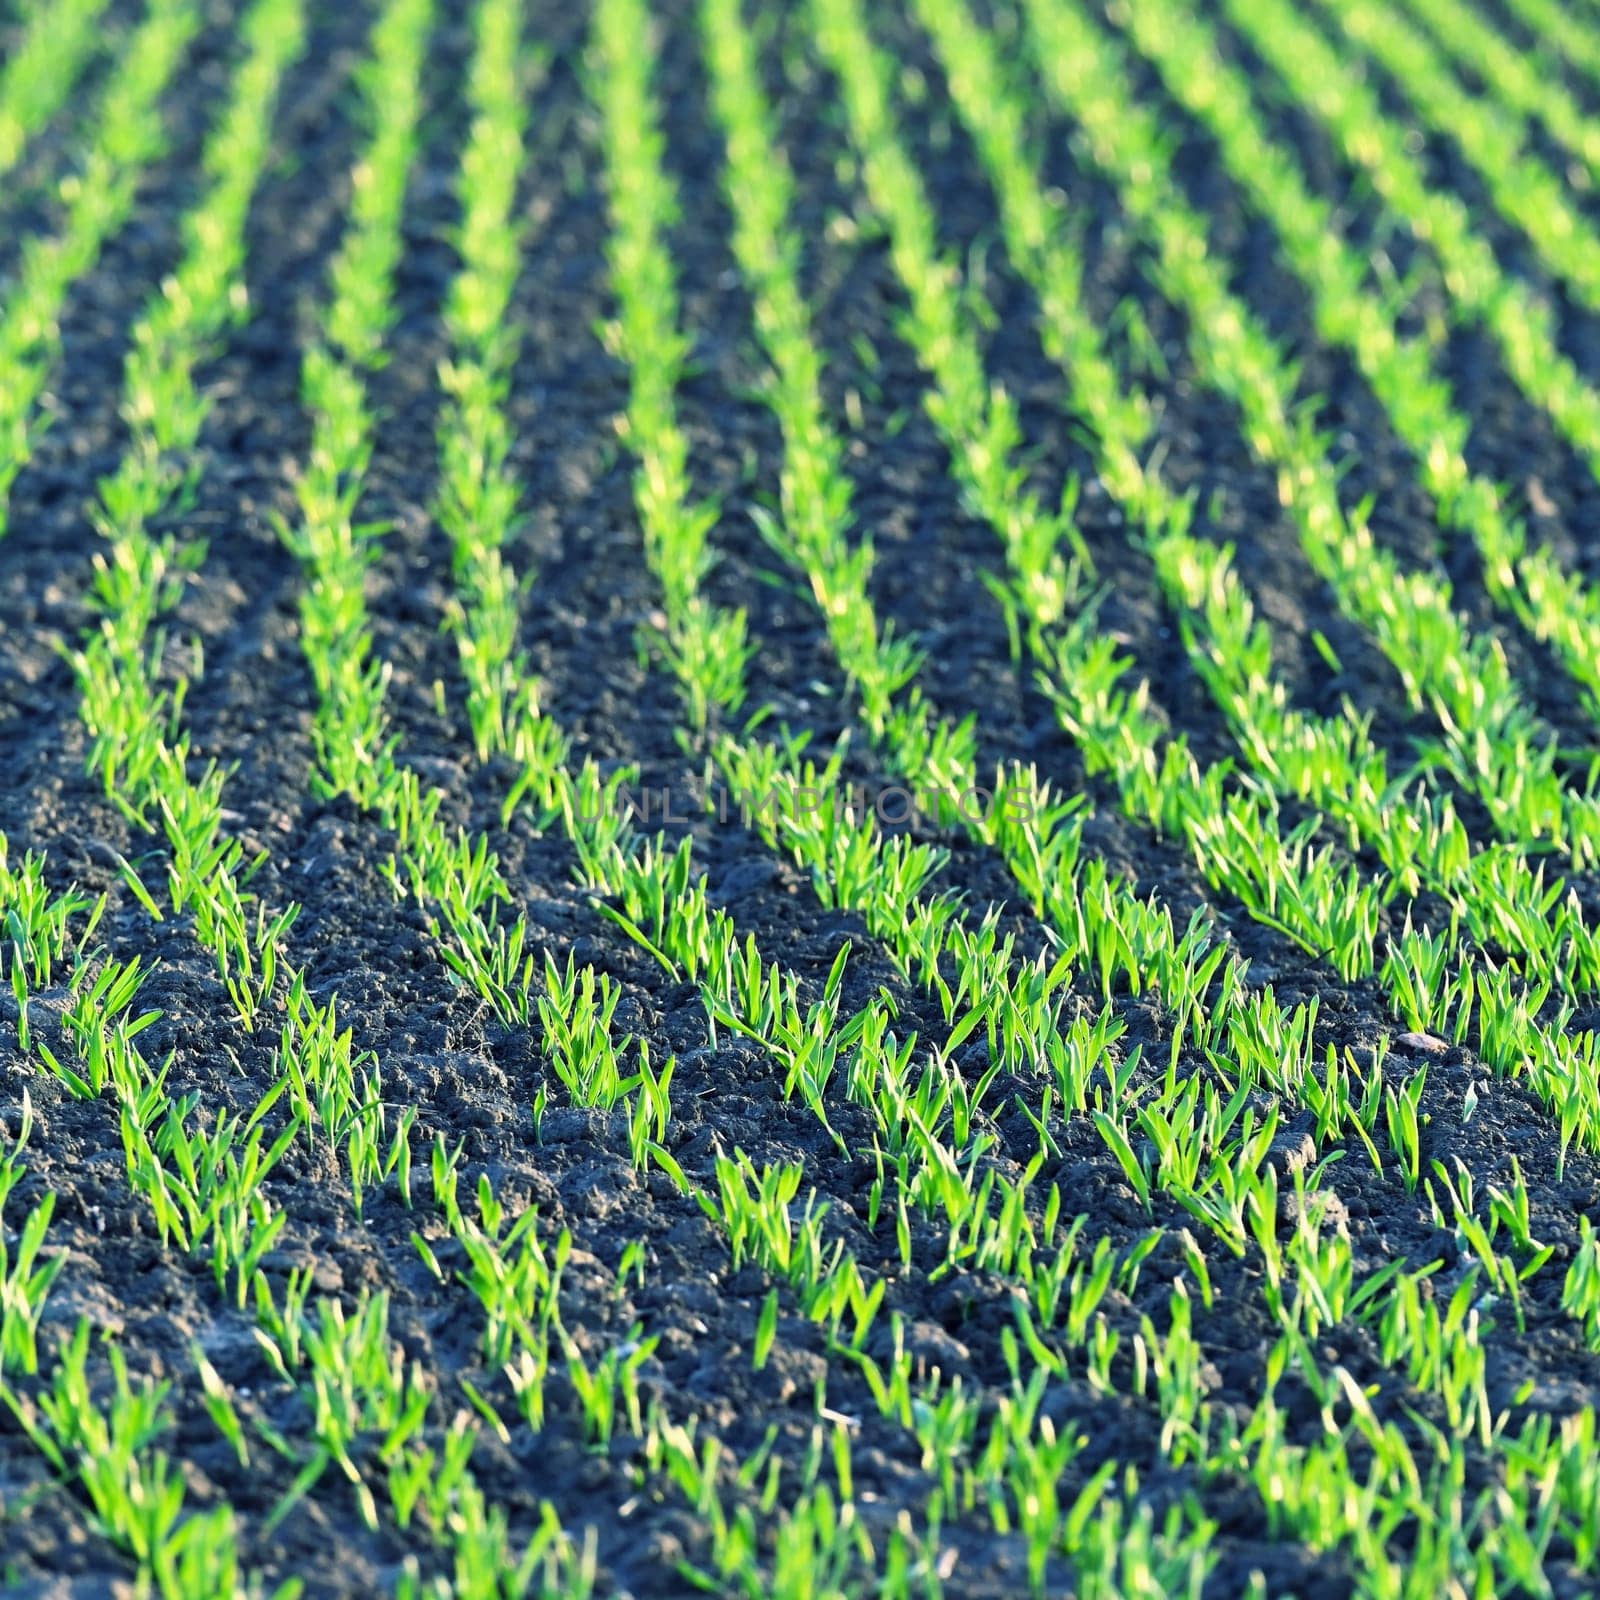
column 473, row 1081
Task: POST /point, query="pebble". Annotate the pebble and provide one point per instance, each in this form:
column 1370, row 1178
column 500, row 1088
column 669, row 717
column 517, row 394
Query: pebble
column 1423, row 1043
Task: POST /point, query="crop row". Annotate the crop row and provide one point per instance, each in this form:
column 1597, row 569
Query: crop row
column 1482, row 1493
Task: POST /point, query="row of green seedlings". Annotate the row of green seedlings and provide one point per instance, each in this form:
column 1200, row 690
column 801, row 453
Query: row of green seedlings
column 352, row 744
column 1092, row 1532
column 1514, row 79
column 705, row 645
column 202, row 1185
column 345, row 1364
column 208, row 1188
column 478, row 504
column 1122, row 138
column 202, row 1178
column 55, row 48
column 138, row 748
column 816, row 1533
column 1315, row 896
column 356, row 1385
column 136, row 1493
column 765, row 311
column 1492, row 744
column 1493, row 895
column 331, row 1357
column 510, row 1270
column 648, row 336
column 757, row 196
column 453, row 875
column 741, row 992
column 756, row 1209
column 679, row 921
column 981, row 93
column 1561, row 31
column 659, row 903
column 516, row 1276
column 828, row 828
column 1556, row 606
column 470, row 1533
column 1466, row 1222
column 496, row 1284
column 782, row 1187
column 109, row 1443
column 1114, row 724
column 133, row 719
column 128, row 136
column 349, row 1382
column 735, row 96
column 1520, row 184
column 477, row 499
column 197, row 1180
column 207, row 1185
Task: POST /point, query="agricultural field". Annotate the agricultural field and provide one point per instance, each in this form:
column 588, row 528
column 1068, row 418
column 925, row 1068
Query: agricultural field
column 800, row 800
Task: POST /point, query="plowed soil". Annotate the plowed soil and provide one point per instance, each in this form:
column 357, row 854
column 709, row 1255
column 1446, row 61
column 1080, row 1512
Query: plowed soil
column 474, row 1081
